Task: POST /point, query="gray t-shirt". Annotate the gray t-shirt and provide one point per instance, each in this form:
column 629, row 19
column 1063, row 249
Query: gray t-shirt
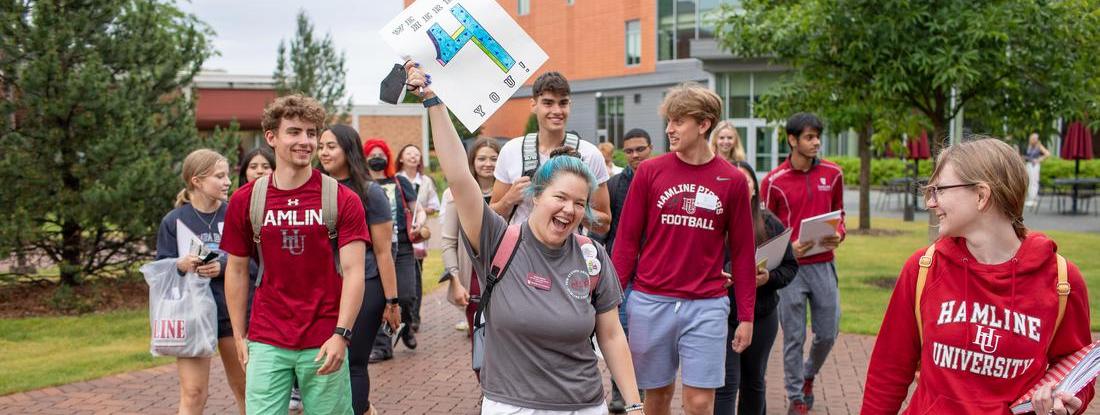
column 541, row 315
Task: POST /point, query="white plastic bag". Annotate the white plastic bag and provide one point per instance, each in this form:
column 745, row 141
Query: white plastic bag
column 182, row 315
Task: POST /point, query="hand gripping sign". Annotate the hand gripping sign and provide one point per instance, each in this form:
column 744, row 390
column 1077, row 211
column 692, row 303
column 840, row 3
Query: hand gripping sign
column 477, row 55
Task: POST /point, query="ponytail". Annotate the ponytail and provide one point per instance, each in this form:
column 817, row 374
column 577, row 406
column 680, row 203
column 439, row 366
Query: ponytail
column 183, row 197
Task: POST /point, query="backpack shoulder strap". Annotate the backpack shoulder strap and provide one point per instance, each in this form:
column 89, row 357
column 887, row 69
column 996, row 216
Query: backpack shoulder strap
column 329, row 215
column 530, row 153
column 1063, row 290
column 922, row 277
column 572, row 140
column 257, row 210
column 506, row 249
column 504, row 253
column 257, row 204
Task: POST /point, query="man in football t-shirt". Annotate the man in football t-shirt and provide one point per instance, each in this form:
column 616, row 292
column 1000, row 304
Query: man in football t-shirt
column 303, row 311
column 686, row 212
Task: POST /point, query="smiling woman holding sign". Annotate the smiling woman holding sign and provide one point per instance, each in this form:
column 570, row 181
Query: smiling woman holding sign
column 546, row 288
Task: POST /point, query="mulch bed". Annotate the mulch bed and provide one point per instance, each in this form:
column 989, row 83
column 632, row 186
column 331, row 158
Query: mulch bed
column 877, row 232
column 46, row 298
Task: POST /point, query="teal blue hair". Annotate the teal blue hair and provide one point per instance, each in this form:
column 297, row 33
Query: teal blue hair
column 563, row 160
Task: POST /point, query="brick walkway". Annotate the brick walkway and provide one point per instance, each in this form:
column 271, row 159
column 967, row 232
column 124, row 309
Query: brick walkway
column 435, row 379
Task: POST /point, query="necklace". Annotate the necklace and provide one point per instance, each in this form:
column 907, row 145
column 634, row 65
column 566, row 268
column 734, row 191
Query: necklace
column 209, row 223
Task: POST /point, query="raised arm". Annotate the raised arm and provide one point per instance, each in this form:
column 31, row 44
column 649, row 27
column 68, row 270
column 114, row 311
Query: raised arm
column 452, row 159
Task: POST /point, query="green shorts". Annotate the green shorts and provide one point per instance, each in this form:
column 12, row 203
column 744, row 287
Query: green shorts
column 271, row 371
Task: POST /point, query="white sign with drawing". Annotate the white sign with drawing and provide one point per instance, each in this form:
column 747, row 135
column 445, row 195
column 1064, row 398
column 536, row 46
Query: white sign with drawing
column 477, row 55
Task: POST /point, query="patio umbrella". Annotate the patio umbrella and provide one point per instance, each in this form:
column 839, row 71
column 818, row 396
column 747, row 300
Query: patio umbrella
column 1077, row 146
column 918, row 150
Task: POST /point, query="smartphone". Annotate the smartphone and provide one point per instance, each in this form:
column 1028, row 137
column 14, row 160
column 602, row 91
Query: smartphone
column 394, row 335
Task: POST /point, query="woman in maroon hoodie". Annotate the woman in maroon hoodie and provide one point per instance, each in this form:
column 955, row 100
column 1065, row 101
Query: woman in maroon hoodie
column 989, row 309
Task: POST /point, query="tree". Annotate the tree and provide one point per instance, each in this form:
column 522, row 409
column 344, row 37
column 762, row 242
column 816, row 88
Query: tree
column 314, row 68
column 94, row 120
column 1015, row 59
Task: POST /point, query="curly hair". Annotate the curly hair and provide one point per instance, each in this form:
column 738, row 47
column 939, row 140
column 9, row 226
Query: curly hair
column 293, row 106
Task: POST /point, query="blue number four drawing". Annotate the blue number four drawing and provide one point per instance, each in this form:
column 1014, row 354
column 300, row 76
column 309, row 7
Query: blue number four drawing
column 447, row 46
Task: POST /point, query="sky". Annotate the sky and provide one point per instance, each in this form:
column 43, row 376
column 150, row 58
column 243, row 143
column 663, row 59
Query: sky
column 248, row 34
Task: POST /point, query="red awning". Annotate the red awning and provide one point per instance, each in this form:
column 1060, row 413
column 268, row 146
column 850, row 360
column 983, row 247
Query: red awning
column 219, row 107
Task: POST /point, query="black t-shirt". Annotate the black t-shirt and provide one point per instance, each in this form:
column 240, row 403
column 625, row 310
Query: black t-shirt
column 397, row 208
column 377, row 209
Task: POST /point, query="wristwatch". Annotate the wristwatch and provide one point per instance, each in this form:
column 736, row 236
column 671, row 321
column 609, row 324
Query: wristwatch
column 431, row 102
column 342, row 332
column 392, row 301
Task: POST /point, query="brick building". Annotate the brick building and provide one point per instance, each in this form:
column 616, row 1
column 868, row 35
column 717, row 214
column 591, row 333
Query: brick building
column 221, row 98
column 621, row 55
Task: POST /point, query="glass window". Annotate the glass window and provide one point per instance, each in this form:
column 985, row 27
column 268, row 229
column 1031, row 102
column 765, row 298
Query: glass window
column 633, row 42
column 666, row 30
column 736, row 94
column 707, row 15
column 685, row 27
column 609, row 119
column 523, row 7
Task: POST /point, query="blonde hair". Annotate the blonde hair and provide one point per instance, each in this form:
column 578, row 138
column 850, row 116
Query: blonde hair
column 200, row 163
column 737, row 153
column 606, row 147
column 994, row 163
column 690, row 99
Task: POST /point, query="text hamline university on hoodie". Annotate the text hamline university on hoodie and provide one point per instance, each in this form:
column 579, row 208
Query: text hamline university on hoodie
column 988, row 331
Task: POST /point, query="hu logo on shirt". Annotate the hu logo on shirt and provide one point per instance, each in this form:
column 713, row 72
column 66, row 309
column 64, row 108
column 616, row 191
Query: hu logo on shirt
column 294, row 243
column 689, row 205
column 986, row 339
column 823, row 186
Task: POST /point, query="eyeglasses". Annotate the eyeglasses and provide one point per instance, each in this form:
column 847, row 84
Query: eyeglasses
column 635, row 150
column 933, row 192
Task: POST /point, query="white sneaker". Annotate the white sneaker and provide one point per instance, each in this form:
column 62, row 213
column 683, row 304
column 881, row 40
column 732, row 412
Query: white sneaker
column 295, row 399
column 462, row 326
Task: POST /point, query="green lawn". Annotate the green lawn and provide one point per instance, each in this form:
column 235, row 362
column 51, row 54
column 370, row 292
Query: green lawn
column 40, row 352
column 864, row 260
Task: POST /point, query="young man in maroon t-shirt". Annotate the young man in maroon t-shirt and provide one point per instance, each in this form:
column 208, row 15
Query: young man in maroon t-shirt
column 303, row 311
column 682, row 212
column 802, row 187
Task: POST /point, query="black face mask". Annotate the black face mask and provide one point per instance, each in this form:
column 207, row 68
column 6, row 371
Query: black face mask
column 377, row 163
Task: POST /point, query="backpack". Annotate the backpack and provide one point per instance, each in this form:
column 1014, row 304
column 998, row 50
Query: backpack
column 257, row 209
column 925, row 263
column 531, row 160
column 505, row 251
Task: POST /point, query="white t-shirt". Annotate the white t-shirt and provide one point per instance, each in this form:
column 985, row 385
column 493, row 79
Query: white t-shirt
column 510, row 168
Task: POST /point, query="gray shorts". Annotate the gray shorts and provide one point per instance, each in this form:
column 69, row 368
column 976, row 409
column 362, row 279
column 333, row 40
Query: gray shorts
column 667, row 332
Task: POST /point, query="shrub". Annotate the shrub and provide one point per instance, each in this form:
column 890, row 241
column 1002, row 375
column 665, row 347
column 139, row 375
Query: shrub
column 883, row 170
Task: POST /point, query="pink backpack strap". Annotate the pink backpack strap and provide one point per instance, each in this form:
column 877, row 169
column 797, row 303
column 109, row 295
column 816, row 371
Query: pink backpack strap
column 504, row 253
